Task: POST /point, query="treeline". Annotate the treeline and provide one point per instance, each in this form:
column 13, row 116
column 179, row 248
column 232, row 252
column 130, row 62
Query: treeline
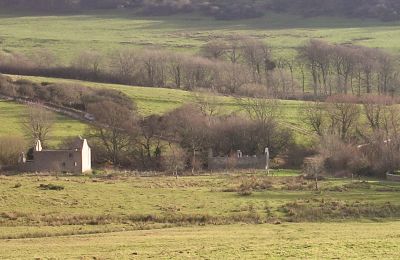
column 385, row 10
column 236, row 65
column 349, row 69
column 241, row 65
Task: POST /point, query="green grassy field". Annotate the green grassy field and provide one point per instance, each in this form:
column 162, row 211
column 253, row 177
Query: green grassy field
column 161, row 100
column 12, row 115
column 288, row 241
column 198, row 217
column 109, row 30
column 123, row 216
column 149, row 101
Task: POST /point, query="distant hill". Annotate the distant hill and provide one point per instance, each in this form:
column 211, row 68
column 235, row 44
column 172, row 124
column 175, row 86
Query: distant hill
column 386, row 10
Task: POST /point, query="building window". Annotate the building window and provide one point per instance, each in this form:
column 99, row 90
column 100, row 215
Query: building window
column 76, row 164
column 63, row 164
column 70, row 155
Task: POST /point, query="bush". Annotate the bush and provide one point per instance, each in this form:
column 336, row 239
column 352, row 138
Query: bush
column 341, row 159
column 10, row 149
column 50, row 187
column 245, row 191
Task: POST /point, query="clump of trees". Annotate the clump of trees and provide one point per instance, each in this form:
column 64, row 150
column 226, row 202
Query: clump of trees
column 180, row 139
column 349, row 69
column 10, row 149
column 64, row 95
column 235, row 65
column 357, row 135
column 239, row 65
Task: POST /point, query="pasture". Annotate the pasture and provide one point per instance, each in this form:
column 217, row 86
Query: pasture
column 106, row 31
column 287, row 241
column 226, row 215
column 161, row 100
column 12, row 115
column 124, row 215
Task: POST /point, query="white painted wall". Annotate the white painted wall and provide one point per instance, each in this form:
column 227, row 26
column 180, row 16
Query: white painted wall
column 86, row 157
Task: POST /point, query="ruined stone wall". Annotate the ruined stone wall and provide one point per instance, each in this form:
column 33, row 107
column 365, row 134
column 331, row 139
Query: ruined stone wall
column 392, row 177
column 54, row 161
column 245, row 162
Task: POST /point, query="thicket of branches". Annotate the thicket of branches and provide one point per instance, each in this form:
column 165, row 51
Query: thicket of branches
column 358, row 135
column 180, row 139
column 349, row 69
column 65, row 95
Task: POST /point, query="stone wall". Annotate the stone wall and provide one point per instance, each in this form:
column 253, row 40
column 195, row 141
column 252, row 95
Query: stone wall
column 76, row 160
column 233, row 162
column 392, row 177
column 54, row 161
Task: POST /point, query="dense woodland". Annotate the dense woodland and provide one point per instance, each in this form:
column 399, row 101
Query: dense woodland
column 385, row 10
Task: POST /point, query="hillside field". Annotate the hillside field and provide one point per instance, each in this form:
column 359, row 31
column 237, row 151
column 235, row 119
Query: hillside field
column 109, row 30
column 12, row 115
column 112, row 214
column 161, row 100
column 198, row 217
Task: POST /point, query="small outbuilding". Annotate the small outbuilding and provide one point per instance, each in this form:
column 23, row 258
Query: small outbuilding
column 76, row 159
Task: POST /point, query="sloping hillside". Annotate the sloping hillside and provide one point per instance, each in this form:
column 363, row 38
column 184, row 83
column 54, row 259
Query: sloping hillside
column 105, row 31
column 12, row 115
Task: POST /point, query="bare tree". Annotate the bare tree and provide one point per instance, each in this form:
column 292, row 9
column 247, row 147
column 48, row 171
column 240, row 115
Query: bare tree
column 209, row 104
column 234, row 48
column 314, row 114
column 116, row 128
column 38, row 124
column 214, row 49
column 176, row 65
column 90, row 61
column 10, row 148
column 151, row 142
column 261, row 109
column 257, row 56
column 189, row 128
column 374, row 109
column 45, row 58
column 125, row 64
column 343, row 113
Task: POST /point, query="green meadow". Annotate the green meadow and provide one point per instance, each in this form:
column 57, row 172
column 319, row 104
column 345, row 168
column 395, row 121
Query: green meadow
column 227, row 215
column 109, row 30
column 12, row 115
column 118, row 216
column 161, row 100
column 288, row 241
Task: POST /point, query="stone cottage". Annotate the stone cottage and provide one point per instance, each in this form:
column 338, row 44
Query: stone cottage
column 76, row 159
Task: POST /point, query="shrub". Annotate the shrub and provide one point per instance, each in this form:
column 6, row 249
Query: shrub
column 10, row 148
column 50, row 187
column 245, row 190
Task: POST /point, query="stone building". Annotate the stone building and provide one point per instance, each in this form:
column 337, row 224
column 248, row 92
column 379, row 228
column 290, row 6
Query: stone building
column 76, row 159
column 238, row 161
